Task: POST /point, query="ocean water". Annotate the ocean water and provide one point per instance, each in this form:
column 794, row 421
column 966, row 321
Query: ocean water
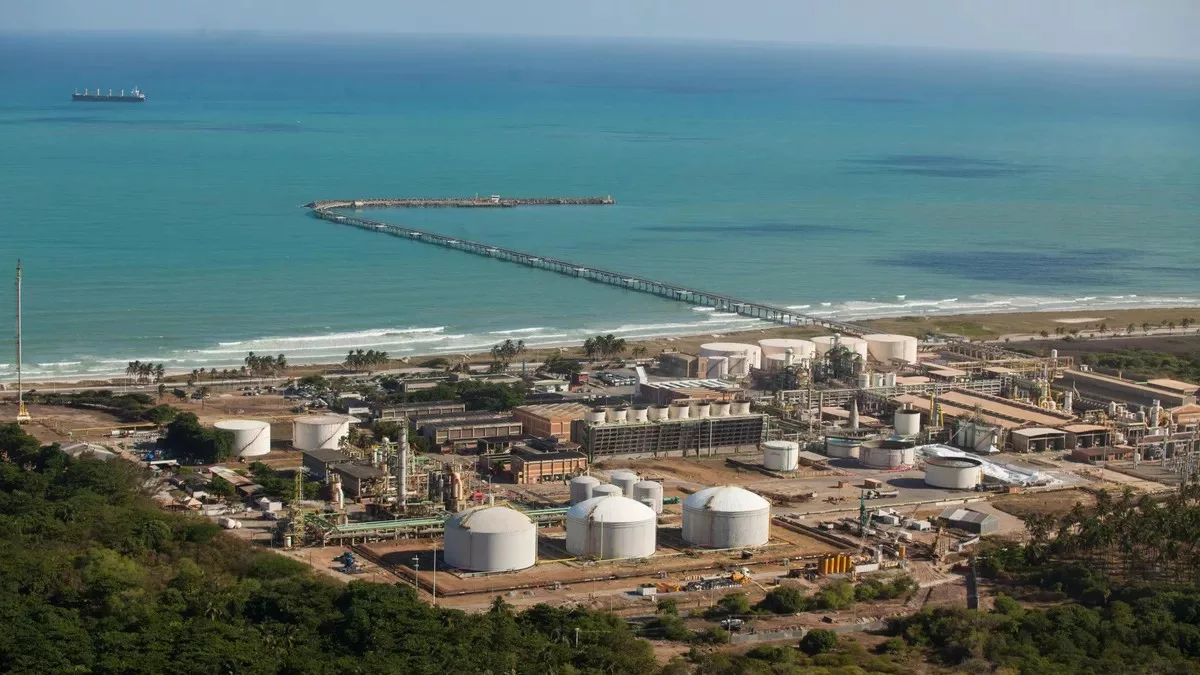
column 851, row 183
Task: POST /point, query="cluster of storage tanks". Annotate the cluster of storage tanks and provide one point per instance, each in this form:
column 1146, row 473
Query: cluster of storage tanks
column 879, row 453
column 679, row 410
column 736, row 359
column 730, row 359
column 882, row 347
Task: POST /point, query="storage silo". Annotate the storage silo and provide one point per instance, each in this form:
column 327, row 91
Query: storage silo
column 825, row 342
column 320, row 432
column 624, row 480
column 650, row 493
column 887, row 454
column 843, row 448
column 607, row 491
column 581, row 488
column 802, row 350
column 718, row 368
column 885, row 347
column 611, row 527
column 954, row 473
column 251, row 438
column 726, row 516
column 908, row 422
column 491, row 539
column 781, row 455
column 740, row 357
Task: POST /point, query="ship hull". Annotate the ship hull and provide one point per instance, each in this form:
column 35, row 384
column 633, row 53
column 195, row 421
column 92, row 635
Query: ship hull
column 107, row 99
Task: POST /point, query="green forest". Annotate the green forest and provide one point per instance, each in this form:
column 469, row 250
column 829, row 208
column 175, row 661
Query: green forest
column 94, row 578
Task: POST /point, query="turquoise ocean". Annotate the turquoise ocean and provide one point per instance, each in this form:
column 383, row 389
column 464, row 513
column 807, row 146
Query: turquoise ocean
column 848, row 182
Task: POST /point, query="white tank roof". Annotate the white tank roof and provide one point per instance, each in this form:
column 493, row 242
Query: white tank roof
column 888, row 337
column 780, row 345
column 726, row 499
column 491, row 520
column 728, row 347
column 323, row 419
column 237, row 425
column 611, row 509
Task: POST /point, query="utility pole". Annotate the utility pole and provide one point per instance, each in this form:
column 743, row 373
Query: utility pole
column 23, row 416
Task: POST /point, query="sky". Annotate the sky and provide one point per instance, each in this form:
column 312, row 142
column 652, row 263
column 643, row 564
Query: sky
column 1141, row 28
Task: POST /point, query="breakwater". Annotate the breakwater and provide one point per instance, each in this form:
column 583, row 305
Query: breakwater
column 492, row 201
column 328, row 210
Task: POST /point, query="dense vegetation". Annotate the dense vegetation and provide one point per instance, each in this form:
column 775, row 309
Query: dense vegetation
column 187, row 439
column 1145, row 363
column 127, row 407
column 476, row 394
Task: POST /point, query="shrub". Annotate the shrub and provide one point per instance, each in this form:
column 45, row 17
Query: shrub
column 818, row 641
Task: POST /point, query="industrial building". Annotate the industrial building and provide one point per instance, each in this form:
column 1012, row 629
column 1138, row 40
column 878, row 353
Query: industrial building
column 1103, row 388
column 680, row 437
column 611, row 527
column 462, row 431
column 319, row 463
column 824, row 343
column 529, row 466
column 1086, row 436
column 553, row 419
column 491, row 539
column 414, row 411
column 360, row 480
column 1096, row 455
column 251, row 438
column 726, row 516
column 1038, row 439
column 970, row 520
column 665, row 393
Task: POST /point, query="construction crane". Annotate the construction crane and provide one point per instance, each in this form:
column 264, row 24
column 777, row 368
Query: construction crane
column 23, row 416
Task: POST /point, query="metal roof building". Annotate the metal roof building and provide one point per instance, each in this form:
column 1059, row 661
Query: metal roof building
column 971, row 521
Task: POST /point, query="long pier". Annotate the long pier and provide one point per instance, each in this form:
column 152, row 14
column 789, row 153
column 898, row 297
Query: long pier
column 326, row 210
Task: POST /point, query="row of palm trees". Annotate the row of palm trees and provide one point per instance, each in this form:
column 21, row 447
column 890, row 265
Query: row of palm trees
column 145, row 373
column 265, row 366
column 368, row 359
column 604, row 346
column 505, row 353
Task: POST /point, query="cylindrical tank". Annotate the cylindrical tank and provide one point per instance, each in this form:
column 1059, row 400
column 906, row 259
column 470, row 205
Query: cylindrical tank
column 773, row 363
column 657, row 412
column 609, row 527
column 581, row 488
column 825, row 342
column 721, row 408
column 846, row 448
column 624, row 480
column 741, row 357
column 889, row 379
column 679, row 411
column 864, row 380
column 740, row 408
column 726, row 516
column 491, row 539
column 802, row 350
column 251, row 438
column 607, row 491
column 718, row 367
column 955, row 473
column 700, row 409
column 908, row 422
column 876, row 379
column 885, row 347
column 639, row 414
column 781, row 455
column 319, row 432
column 886, row 454
column 650, row 493
column 617, row 414
column 596, row 416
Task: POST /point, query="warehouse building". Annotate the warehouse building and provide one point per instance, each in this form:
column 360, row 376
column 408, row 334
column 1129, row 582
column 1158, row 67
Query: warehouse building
column 1097, row 455
column 319, row 463
column 1086, row 436
column 553, row 419
column 530, row 466
column 662, row 393
column 1038, row 439
column 970, row 520
column 418, row 410
column 459, row 432
column 672, row 437
column 1099, row 387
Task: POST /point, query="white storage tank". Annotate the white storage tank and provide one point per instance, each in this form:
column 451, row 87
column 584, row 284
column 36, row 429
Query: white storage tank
column 740, row 408
column 650, row 493
column 802, row 350
column 781, row 455
column 624, row 480
column 740, row 357
column 825, row 342
column 320, row 432
column 720, row 408
column 251, row 438
column 718, row 368
column 885, row 347
column 864, row 380
column 843, row 448
column 607, row 491
column 887, row 454
column 581, row 488
column 954, row 473
column 596, row 416
column 726, row 516
column 639, row 414
column 657, row 412
column 908, row 422
column 491, row 539
column 773, row 363
column 611, row 527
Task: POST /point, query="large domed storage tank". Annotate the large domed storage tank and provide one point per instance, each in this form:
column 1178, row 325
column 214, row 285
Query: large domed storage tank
column 781, row 455
column 843, row 448
column 491, row 539
column 251, row 438
column 581, row 488
column 825, row 342
column 740, row 357
column 319, row 432
column 802, row 350
column 887, row 454
column 610, row 527
column 726, row 516
column 650, row 493
column 624, row 480
column 885, row 347
column 955, row 473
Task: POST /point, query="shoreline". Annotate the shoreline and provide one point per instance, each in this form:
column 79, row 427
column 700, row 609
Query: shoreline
column 1014, row 327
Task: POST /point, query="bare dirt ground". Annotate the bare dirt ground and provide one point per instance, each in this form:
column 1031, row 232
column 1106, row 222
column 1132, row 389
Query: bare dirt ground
column 1041, row 503
column 1176, row 345
column 60, row 424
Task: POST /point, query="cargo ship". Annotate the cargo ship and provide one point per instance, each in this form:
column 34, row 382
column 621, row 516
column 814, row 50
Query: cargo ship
column 136, row 96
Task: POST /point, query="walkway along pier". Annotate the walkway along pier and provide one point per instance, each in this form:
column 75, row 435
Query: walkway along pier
column 326, row 210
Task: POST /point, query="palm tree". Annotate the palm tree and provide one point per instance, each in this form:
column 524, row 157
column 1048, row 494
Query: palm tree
column 162, row 392
column 590, row 348
column 640, row 350
column 281, row 362
column 1171, row 326
column 159, row 372
column 1129, row 329
column 1146, row 328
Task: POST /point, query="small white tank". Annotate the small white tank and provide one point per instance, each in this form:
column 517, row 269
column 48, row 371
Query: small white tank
column 864, row 380
column 721, row 408
column 606, row 491
column 781, row 455
column 718, row 368
column 842, row 448
column 908, row 422
column 595, row 416
column 650, row 493
column 624, row 480
column 581, row 488
column 889, row 379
